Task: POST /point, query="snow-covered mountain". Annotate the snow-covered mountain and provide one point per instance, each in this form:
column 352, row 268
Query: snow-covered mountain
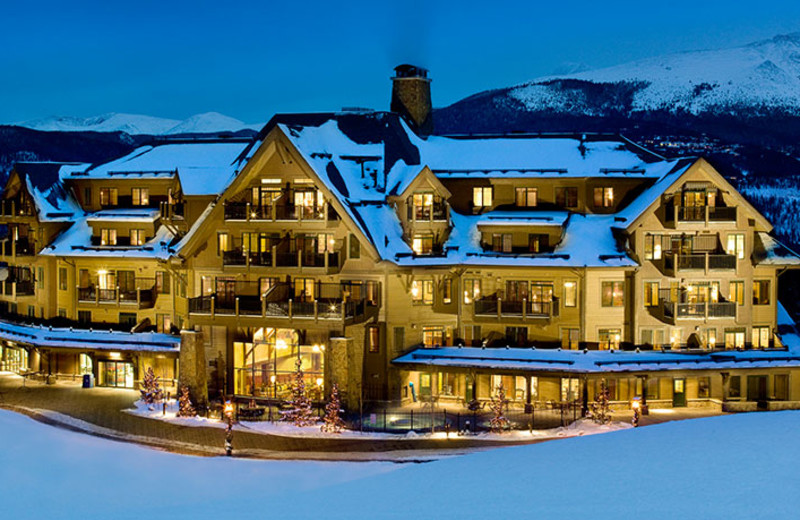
column 764, row 75
column 134, row 124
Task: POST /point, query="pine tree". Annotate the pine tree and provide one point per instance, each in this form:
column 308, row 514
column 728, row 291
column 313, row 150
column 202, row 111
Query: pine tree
column 333, row 421
column 300, row 413
column 600, row 410
column 185, row 407
column 499, row 402
column 151, row 391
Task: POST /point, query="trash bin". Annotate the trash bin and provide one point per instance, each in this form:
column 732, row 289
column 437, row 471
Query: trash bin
column 88, row 380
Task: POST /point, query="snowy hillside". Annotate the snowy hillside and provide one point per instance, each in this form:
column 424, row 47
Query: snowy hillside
column 763, row 75
column 740, row 466
column 133, row 124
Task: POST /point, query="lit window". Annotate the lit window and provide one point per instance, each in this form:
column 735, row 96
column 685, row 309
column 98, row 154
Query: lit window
column 137, row 237
column 761, row 292
column 652, row 247
column 140, row 196
column 734, row 338
column 761, row 337
column 422, row 206
column 108, row 196
column 735, row 245
column 472, row 290
column 613, row 294
column 482, row 196
column 432, row 336
column 570, row 294
column 538, row 243
column 609, row 338
column 651, row 294
column 603, row 197
column 162, row 282
column 108, row 237
column 373, row 335
column 422, row 244
column 422, row 292
column 501, row 243
column 526, row 197
column 570, row 338
column 447, row 291
column 736, row 292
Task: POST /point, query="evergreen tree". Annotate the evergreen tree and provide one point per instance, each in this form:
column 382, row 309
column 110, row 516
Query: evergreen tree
column 151, row 391
column 300, row 413
column 499, row 402
column 333, row 421
column 600, row 410
column 185, row 407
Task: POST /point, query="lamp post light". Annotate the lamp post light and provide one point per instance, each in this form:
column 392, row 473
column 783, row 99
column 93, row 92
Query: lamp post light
column 229, row 428
column 636, row 405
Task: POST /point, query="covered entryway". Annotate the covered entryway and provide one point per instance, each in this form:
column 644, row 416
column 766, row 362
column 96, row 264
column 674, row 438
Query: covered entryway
column 118, row 374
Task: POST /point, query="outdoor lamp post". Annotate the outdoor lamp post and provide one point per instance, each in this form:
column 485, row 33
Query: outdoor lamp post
column 636, row 405
column 229, row 428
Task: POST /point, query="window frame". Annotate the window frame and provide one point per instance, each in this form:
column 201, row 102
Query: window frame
column 482, row 196
column 613, row 301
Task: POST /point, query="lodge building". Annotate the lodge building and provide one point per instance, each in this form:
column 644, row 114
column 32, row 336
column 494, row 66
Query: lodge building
column 400, row 264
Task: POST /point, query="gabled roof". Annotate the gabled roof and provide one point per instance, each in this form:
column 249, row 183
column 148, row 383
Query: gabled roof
column 77, row 241
column 42, row 181
column 203, row 166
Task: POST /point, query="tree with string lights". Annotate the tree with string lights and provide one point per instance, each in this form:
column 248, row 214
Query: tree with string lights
column 300, row 413
column 499, row 422
column 185, row 407
column 333, row 420
column 600, row 409
column 151, row 391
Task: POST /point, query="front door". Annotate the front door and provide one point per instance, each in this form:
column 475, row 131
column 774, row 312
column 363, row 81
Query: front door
column 678, row 392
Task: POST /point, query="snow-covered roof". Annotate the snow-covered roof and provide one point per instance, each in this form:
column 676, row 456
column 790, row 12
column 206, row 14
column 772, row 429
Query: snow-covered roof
column 204, row 167
column 773, row 252
column 77, row 241
column 43, row 182
column 360, row 173
column 48, row 337
column 131, row 215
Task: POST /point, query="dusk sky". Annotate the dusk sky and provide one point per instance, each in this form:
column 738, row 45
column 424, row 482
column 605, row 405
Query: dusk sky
column 249, row 60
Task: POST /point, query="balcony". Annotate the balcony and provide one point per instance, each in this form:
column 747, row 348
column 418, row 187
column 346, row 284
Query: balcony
column 329, row 301
column 670, row 312
column 492, row 307
column 279, row 212
column 16, row 208
column 171, row 211
column 697, row 261
column 19, row 247
column 700, row 214
column 331, row 261
column 17, row 288
column 142, row 297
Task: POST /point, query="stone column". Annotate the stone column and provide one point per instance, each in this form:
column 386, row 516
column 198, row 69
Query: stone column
column 345, row 366
column 193, row 367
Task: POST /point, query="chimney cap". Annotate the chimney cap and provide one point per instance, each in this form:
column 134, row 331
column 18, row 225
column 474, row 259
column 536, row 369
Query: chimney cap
column 410, row 71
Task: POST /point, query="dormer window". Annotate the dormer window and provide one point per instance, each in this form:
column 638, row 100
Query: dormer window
column 501, row 243
column 603, row 197
column 538, row 243
column 108, row 196
column 482, row 196
column 140, row 196
column 567, row 197
column 108, row 237
column 423, row 206
column 526, row 197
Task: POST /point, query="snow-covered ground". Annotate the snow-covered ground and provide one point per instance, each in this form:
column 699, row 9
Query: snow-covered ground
column 578, row 428
column 738, row 466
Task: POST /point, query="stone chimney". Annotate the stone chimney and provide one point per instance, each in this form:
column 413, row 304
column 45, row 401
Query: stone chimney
column 411, row 98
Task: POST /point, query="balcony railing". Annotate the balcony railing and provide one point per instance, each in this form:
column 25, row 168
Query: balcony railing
column 704, row 214
column 699, row 310
column 171, row 211
column 24, row 288
column 143, row 296
column 280, row 211
column 274, row 258
column 16, row 208
column 515, row 308
column 698, row 261
column 322, row 301
column 19, row 247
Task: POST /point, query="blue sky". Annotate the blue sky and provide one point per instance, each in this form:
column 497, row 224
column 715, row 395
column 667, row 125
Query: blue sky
column 252, row 59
